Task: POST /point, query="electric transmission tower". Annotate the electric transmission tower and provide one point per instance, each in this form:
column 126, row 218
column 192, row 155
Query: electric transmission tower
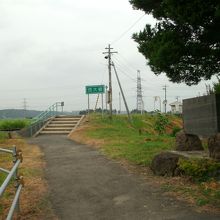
column 25, row 107
column 139, row 93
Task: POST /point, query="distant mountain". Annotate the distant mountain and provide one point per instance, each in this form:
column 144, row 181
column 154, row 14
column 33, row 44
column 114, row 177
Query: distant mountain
column 18, row 113
column 21, row 113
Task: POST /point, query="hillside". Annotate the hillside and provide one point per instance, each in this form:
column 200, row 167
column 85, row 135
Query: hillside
column 18, row 113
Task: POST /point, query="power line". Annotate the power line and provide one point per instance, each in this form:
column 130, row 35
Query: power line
column 124, row 72
column 125, row 32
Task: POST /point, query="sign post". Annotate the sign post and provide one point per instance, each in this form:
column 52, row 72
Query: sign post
column 95, row 89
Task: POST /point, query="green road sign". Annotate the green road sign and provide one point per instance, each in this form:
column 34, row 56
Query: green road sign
column 95, row 89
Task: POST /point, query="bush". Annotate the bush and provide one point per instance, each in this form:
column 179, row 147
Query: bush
column 161, row 123
column 199, row 169
column 13, row 124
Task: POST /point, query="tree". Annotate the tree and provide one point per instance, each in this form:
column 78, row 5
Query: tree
column 185, row 42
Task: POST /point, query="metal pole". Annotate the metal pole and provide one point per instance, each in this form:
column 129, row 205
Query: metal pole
column 88, row 104
column 14, row 203
column 17, row 206
column 6, row 151
column 8, row 178
column 102, row 104
column 126, row 106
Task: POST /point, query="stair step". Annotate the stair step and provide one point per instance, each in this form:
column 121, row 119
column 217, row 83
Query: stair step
column 69, row 116
column 64, row 122
column 57, row 129
column 61, row 125
column 54, row 132
column 65, row 119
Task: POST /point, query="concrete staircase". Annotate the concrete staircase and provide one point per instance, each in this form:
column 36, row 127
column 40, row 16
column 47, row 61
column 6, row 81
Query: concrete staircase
column 61, row 125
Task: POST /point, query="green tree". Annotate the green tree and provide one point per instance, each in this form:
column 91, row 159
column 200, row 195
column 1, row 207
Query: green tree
column 185, row 42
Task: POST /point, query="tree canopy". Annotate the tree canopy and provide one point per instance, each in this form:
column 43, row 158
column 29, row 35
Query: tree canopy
column 185, row 42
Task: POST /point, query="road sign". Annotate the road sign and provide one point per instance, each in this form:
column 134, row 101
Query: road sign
column 95, row 89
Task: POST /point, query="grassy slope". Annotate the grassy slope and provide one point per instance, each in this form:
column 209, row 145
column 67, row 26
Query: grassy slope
column 137, row 143
column 119, row 140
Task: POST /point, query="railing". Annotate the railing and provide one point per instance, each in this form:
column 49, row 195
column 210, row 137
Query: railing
column 13, row 173
column 39, row 121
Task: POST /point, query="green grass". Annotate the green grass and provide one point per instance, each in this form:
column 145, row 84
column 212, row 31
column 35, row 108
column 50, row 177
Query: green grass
column 123, row 140
column 13, row 124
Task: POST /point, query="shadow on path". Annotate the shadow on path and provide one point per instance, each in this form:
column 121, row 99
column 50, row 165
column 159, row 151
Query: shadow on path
column 85, row 185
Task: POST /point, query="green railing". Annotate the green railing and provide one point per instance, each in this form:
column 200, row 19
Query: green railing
column 40, row 120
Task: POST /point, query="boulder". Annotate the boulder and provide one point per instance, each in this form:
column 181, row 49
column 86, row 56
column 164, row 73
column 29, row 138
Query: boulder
column 165, row 164
column 214, row 146
column 188, row 142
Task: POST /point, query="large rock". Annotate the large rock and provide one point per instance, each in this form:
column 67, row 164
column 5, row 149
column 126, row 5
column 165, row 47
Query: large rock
column 214, row 146
column 188, row 142
column 165, row 164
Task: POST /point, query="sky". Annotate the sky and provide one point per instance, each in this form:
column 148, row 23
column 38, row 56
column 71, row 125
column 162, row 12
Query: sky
column 51, row 49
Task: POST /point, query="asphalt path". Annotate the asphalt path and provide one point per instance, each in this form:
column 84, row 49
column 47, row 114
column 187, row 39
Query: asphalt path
column 85, row 185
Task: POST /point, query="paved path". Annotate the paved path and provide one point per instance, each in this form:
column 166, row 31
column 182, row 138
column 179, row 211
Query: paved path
column 84, row 185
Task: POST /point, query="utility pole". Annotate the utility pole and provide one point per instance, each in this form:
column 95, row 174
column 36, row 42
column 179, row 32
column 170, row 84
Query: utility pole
column 25, row 107
column 109, row 53
column 139, row 93
column 165, row 100
column 106, row 98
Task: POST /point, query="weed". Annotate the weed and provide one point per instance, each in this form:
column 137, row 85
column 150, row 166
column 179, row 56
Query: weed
column 175, row 131
column 161, row 122
column 199, row 169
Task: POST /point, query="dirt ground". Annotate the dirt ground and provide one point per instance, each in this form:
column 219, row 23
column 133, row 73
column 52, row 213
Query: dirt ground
column 34, row 203
column 84, row 184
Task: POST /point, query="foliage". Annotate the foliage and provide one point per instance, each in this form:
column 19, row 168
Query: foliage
column 161, row 122
column 175, row 130
column 185, row 42
column 199, row 169
column 216, row 86
column 13, row 124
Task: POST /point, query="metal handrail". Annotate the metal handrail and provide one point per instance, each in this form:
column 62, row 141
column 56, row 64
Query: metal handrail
column 17, row 155
column 40, row 120
column 53, row 109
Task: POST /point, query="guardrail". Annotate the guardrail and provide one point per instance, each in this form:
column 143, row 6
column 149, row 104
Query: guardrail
column 13, row 173
column 39, row 121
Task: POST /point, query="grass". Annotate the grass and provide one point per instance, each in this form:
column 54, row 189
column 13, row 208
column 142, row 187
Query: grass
column 202, row 194
column 3, row 136
column 137, row 142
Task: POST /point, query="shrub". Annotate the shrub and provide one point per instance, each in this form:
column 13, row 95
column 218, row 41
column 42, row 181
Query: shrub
column 13, row 124
column 199, row 169
column 161, row 123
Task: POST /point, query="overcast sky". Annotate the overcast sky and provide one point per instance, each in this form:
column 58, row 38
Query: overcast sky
column 51, row 49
